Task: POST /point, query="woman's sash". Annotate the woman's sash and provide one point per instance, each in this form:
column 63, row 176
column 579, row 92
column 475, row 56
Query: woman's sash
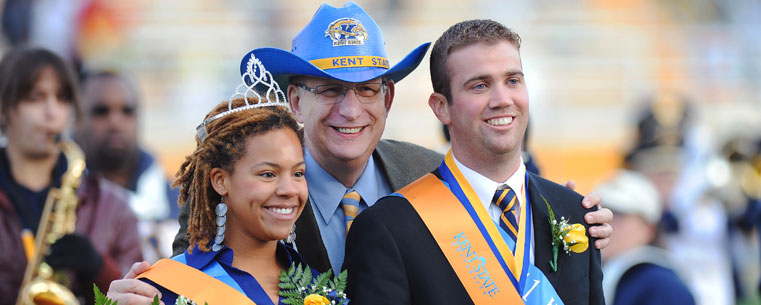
column 193, row 284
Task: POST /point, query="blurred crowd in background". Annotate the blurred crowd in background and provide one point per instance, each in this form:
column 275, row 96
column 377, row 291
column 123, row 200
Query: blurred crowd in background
column 657, row 100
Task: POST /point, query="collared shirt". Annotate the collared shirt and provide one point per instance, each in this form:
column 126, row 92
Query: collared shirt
column 485, row 189
column 325, row 194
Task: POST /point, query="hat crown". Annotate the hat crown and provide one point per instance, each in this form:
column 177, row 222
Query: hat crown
column 343, row 44
column 339, row 32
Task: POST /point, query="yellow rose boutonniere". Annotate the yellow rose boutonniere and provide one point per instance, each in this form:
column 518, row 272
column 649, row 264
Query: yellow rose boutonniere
column 316, row 299
column 573, row 237
column 576, row 239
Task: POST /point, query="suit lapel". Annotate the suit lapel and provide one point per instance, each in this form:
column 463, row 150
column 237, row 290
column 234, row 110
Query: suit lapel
column 395, row 165
column 308, row 239
column 542, row 233
column 394, row 175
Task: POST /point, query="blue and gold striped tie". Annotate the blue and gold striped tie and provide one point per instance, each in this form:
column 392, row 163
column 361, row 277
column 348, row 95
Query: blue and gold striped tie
column 350, row 205
column 506, row 200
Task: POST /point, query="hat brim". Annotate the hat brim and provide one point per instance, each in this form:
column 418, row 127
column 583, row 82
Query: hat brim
column 283, row 65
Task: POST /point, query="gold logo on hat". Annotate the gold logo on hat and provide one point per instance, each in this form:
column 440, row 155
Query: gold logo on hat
column 346, row 32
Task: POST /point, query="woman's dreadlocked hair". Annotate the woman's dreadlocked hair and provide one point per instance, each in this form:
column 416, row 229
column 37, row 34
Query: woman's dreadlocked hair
column 223, row 146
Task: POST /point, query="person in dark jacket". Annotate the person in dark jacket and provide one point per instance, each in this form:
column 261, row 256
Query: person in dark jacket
column 108, row 134
column 636, row 271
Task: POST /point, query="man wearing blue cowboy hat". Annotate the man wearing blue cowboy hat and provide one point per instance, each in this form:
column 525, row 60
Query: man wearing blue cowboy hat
column 340, row 85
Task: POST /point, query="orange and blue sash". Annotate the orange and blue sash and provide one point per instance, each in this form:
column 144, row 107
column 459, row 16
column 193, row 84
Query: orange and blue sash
column 194, row 284
column 490, row 266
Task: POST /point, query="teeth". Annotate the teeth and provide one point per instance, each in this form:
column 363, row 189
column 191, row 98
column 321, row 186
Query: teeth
column 282, row 211
column 500, row 121
column 349, row 130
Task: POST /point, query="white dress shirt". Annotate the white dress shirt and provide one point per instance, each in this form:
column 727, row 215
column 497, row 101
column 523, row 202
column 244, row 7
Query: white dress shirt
column 485, row 189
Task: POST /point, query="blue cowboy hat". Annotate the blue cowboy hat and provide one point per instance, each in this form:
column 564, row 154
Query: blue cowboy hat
column 338, row 43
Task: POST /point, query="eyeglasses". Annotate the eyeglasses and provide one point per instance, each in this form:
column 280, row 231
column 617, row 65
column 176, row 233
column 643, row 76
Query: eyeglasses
column 335, row 93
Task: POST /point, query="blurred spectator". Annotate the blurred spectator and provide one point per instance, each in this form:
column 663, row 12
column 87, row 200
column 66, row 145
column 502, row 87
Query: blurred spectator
column 635, row 271
column 658, row 147
column 741, row 195
column 108, row 135
column 39, row 100
column 16, row 21
column 673, row 154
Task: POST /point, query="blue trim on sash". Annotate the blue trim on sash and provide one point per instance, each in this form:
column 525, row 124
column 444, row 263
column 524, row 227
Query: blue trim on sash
column 454, row 186
column 508, row 240
column 533, row 286
column 215, row 270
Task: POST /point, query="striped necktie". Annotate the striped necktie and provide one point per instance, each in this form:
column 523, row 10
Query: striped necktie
column 506, row 200
column 350, row 205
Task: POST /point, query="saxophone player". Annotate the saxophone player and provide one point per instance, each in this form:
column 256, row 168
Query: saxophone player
column 38, row 103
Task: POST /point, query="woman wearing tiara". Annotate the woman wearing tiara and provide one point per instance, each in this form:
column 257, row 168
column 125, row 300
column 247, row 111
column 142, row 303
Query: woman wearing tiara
column 245, row 186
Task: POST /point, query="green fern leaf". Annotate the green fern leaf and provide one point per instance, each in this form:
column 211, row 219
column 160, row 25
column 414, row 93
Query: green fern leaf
column 283, row 276
column 298, row 274
column 286, row 285
column 341, row 281
column 323, row 278
column 549, row 208
column 306, row 277
column 100, row 298
column 291, row 302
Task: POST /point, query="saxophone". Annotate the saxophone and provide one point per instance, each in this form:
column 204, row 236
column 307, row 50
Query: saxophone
column 58, row 219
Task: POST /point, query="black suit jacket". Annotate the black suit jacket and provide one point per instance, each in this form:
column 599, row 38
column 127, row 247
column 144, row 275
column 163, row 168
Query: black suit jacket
column 401, row 163
column 392, row 258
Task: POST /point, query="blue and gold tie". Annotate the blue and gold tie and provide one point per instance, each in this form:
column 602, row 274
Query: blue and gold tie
column 350, row 205
column 506, row 200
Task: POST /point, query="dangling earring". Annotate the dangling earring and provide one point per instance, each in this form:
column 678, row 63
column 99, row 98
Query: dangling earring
column 291, row 237
column 221, row 211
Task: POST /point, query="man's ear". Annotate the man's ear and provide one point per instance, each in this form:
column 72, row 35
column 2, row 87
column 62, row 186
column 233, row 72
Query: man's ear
column 294, row 99
column 219, row 179
column 440, row 106
column 389, row 97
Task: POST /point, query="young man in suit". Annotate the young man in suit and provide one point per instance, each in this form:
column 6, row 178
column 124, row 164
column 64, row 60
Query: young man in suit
column 341, row 87
column 476, row 230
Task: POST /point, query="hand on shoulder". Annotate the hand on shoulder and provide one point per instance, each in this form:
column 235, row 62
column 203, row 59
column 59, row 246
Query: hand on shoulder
column 599, row 219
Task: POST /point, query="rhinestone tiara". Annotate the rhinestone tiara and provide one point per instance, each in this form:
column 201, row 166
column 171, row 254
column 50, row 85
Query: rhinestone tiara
column 256, row 76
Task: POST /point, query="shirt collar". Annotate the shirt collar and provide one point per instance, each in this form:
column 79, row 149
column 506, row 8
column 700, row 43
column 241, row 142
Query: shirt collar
column 485, row 187
column 199, row 259
column 325, row 192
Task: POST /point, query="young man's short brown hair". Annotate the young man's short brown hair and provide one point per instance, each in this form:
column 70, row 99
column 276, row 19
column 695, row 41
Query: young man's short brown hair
column 462, row 35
